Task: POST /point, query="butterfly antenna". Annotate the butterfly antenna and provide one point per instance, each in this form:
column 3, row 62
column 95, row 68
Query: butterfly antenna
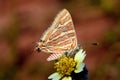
column 90, row 43
column 95, row 43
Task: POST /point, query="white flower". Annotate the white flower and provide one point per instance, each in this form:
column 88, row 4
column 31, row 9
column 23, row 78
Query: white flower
column 66, row 65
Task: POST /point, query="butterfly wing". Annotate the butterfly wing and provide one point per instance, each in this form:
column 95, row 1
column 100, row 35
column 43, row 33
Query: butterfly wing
column 61, row 36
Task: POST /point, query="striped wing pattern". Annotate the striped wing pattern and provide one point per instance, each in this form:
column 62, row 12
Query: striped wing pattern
column 54, row 56
column 61, row 36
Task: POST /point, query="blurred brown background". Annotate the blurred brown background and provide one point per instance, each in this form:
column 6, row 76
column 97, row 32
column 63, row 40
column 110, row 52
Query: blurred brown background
column 22, row 22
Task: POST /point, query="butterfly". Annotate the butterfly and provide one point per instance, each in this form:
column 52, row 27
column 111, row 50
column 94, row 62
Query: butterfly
column 60, row 38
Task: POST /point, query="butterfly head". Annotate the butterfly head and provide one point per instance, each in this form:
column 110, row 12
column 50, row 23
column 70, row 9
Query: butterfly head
column 38, row 46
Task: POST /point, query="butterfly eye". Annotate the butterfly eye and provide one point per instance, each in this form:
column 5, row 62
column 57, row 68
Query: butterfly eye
column 38, row 49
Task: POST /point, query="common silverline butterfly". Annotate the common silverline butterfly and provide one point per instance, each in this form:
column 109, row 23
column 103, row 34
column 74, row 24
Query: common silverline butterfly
column 60, row 38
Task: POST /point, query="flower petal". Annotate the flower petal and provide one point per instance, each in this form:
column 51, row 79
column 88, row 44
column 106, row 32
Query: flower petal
column 80, row 55
column 55, row 76
column 79, row 67
column 67, row 78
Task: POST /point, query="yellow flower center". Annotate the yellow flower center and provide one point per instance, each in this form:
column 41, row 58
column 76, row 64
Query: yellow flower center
column 65, row 65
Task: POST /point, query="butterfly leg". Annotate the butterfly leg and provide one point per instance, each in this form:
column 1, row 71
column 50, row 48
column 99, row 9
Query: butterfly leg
column 78, row 47
column 76, row 50
column 67, row 53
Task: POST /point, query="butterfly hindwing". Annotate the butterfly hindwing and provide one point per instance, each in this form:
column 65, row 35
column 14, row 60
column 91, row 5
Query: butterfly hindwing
column 54, row 56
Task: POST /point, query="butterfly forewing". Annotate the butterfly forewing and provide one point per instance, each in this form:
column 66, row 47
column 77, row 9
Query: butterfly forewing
column 61, row 35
